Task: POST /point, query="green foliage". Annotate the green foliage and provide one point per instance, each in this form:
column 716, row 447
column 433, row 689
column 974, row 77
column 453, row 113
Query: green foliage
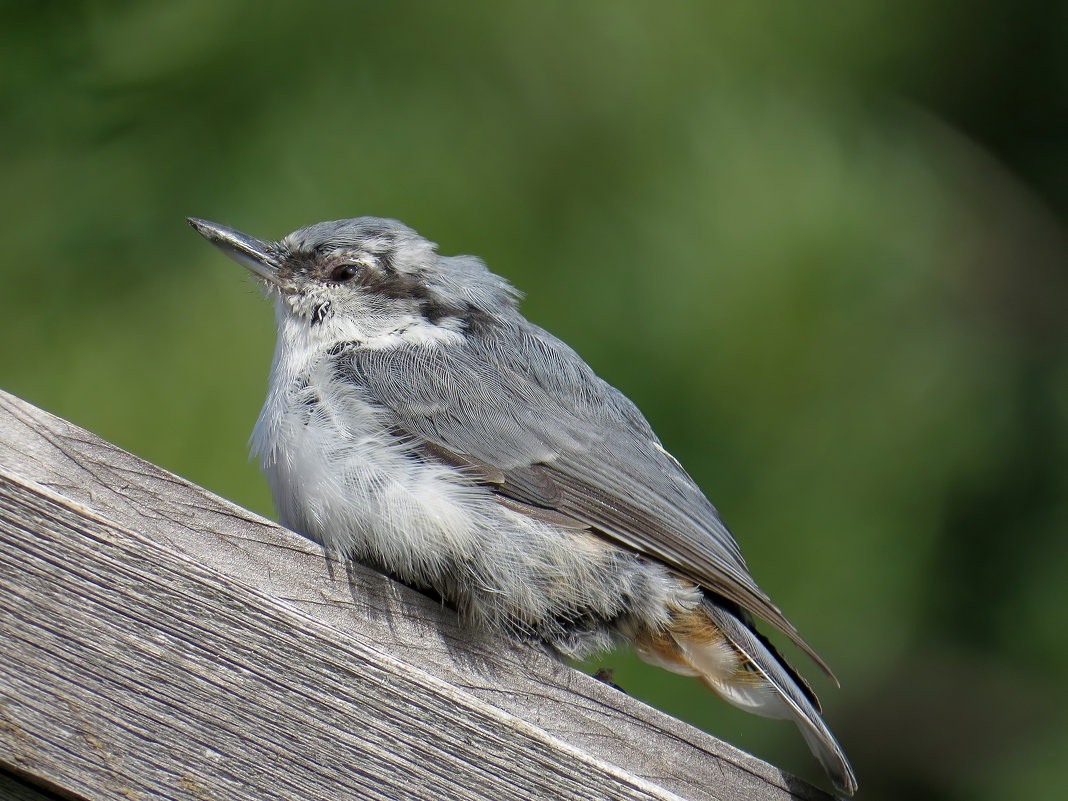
column 841, row 314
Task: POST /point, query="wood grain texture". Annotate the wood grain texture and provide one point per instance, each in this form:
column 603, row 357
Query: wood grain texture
column 157, row 641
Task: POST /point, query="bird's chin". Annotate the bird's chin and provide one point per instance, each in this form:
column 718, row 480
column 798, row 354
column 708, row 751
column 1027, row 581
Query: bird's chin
column 296, row 304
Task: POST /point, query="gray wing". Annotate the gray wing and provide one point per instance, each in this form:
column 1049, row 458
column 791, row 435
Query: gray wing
column 532, row 420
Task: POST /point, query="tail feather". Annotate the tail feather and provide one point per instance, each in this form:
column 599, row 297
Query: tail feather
column 740, row 666
column 766, row 685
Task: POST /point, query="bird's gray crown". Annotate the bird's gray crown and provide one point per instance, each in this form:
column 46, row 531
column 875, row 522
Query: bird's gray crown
column 400, row 264
column 357, row 232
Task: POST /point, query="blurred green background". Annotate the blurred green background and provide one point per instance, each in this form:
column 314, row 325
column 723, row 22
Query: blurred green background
column 821, row 247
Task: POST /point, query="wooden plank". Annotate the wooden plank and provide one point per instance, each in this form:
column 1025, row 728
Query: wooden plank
column 158, row 641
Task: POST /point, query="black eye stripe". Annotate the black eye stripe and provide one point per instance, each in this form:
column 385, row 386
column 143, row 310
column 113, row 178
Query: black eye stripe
column 385, row 262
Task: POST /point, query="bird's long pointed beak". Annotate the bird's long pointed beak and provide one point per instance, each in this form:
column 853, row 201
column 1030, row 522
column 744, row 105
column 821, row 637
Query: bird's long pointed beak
column 256, row 255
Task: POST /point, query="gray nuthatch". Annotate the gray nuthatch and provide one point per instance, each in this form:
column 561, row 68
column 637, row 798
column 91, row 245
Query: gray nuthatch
column 417, row 421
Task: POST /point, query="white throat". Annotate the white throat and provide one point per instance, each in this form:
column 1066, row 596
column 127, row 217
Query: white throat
column 301, row 357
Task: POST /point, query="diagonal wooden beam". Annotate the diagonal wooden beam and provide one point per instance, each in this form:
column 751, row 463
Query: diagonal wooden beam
column 157, row 641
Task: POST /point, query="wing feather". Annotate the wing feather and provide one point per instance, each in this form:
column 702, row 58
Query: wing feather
column 529, row 418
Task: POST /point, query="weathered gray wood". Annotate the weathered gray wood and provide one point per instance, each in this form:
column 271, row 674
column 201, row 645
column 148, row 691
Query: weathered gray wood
column 157, row 641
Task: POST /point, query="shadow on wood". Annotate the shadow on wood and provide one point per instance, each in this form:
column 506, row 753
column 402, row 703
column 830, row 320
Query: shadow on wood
column 158, row 641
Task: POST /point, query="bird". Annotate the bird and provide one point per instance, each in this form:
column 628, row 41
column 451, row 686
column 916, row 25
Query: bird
column 416, row 421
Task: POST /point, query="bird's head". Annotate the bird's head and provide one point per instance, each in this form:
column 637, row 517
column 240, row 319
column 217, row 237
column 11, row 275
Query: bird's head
column 368, row 279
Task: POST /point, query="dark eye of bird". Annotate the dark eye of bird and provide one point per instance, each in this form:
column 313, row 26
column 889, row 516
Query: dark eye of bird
column 344, row 272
